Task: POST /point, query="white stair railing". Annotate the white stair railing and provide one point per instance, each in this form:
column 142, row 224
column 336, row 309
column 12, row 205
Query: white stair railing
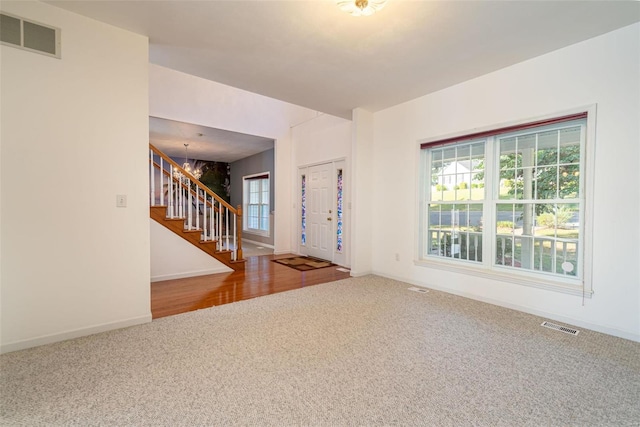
column 187, row 198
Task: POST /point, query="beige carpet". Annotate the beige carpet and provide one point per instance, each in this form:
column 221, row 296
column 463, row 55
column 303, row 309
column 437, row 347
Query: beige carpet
column 357, row 352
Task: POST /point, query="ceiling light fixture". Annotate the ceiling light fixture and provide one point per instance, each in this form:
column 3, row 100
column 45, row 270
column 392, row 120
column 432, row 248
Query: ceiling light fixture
column 361, row 7
column 196, row 173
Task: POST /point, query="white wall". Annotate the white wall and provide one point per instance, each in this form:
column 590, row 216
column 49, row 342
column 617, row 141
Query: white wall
column 364, row 196
column 172, row 257
column 605, row 71
column 324, row 139
column 183, row 97
column 74, row 135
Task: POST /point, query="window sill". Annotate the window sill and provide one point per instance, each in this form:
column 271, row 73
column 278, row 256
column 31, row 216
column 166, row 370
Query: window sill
column 520, row 279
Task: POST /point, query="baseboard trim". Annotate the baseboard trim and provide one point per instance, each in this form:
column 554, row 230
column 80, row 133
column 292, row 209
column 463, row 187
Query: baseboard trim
column 552, row 316
column 366, row 273
column 190, row 274
column 75, row 333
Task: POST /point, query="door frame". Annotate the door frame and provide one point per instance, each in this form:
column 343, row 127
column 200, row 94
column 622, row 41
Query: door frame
column 341, row 257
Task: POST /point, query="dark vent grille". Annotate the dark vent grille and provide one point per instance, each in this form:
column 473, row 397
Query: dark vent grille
column 20, row 33
column 10, row 29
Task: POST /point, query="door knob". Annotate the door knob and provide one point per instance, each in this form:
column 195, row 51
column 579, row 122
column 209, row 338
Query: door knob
column 329, row 219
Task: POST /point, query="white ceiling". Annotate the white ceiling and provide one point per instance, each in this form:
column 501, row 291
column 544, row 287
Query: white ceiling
column 205, row 143
column 309, row 53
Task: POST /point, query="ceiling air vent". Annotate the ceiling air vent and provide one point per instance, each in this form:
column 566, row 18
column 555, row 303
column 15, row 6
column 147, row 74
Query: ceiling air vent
column 29, row 35
column 560, row 328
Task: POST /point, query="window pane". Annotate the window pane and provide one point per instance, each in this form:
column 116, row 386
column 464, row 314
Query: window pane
column 252, row 216
column 477, row 176
column 436, row 187
column 448, row 156
column 525, row 183
column 508, row 178
column 436, row 160
column 569, row 182
column 546, row 183
column 264, row 220
column 547, row 148
column 508, row 153
column 546, row 220
column 507, row 184
column 265, row 190
column 433, row 229
column 526, row 145
column 471, row 232
column 570, row 145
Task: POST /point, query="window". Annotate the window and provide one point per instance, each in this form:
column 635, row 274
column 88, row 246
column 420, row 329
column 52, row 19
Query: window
column 510, row 201
column 256, row 196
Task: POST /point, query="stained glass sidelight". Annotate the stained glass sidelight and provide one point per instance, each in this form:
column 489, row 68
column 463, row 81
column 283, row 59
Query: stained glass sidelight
column 303, row 207
column 339, row 213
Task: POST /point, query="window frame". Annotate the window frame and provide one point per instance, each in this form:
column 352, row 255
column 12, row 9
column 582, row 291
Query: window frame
column 486, row 268
column 265, row 180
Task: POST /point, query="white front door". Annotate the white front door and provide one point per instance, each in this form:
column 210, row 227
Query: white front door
column 320, row 214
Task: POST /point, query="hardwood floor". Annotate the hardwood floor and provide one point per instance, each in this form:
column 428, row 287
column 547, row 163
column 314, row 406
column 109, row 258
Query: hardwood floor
column 260, row 277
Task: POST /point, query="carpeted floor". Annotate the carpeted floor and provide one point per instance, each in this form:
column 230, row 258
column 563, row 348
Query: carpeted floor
column 361, row 351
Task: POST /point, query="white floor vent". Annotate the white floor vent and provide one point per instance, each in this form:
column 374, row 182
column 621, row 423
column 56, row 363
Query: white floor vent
column 416, row 289
column 560, row 328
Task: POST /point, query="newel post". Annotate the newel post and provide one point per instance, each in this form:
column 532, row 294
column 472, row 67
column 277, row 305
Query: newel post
column 239, row 228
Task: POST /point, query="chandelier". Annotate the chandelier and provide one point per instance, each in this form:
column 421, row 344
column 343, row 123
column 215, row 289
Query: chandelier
column 361, row 7
column 195, row 172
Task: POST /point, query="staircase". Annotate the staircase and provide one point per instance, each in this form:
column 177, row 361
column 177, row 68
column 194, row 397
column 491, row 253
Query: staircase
column 188, row 208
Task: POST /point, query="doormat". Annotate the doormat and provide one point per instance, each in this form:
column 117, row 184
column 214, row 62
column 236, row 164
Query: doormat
column 304, row 263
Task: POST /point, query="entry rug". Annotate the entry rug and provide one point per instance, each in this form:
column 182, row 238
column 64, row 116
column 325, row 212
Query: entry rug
column 304, row 263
